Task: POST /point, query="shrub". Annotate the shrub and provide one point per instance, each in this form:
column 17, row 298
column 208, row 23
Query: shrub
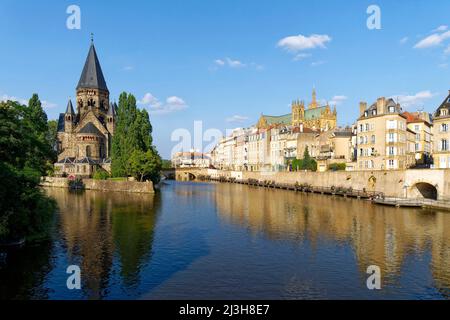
column 337, row 166
column 101, row 175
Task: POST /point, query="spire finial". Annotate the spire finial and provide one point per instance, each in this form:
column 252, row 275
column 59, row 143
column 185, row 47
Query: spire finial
column 92, row 38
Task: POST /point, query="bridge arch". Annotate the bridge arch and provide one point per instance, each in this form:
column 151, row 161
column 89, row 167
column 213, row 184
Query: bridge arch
column 424, row 190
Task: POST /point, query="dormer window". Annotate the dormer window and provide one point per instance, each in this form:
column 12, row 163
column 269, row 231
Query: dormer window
column 444, row 112
column 391, row 109
column 374, row 112
column 366, row 114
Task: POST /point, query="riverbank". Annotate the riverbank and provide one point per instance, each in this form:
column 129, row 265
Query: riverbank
column 102, row 185
column 377, row 197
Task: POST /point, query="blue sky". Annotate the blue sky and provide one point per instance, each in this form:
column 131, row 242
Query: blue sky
column 226, row 62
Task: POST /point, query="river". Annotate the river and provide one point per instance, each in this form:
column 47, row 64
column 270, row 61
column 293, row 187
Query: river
column 226, row 241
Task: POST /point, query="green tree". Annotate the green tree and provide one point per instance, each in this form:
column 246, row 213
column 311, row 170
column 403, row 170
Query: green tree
column 145, row 165
column 133, row 136
column 24, row 210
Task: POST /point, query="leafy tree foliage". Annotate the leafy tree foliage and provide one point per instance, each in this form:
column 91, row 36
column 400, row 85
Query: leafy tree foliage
column 133, row 153
column 307, row 163
column 25, row 153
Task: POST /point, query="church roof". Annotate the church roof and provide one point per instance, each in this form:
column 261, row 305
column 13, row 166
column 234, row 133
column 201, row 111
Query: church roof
column 90, row 128
column 310, row 114
column 92, row 75
column 61, row 122
column 285, row 119
column 112, row 110
column 70, row 109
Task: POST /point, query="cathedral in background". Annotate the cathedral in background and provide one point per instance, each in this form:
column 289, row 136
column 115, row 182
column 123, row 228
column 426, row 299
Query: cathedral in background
column 315, row 117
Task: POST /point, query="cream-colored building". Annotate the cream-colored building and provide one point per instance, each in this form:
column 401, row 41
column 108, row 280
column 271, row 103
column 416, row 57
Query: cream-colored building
column 382, row 137
column 441, row 135
column 421, row 126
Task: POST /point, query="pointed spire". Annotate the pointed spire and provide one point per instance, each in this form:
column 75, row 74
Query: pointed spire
column 70, row 109
column 314, row 95
column 92, row 75
column 112, row 110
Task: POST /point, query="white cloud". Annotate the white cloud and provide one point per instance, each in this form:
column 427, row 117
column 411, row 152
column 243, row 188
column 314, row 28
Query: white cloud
column 302, row 56
column 235, row 64
column 219, row 62
column 440, row 29
column 338, row 100
column 433, row 40
column 447, row 50
column 128, row 68
column 6, row 97
column 413, row 101
column 156, row 107
column 45, row 104
column 237, row 118
column 300, row 42
column 404, row 40
column 317, row 63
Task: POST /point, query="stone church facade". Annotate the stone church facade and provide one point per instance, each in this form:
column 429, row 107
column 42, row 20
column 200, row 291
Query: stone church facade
column 85, row 132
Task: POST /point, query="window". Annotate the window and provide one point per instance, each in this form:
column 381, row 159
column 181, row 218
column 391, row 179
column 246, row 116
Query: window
column 391, row 163
column 88, row 151
column 444, row 112
column 417, row 136
column 391, row 109
column 374, row 112
column 392, row 124
column 391, row 137
column 444, row 145
column 391, row 151
column 367, row 127
column 373, row 139
column 416, row 128
column 361, row 128
column 444, row 127
column 417, row 147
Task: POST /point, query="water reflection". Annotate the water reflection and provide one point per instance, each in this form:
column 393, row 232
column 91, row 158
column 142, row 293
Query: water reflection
column 97, row 227
column 383, row 236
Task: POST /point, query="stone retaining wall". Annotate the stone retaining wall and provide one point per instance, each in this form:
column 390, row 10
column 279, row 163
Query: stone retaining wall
column 102, row 185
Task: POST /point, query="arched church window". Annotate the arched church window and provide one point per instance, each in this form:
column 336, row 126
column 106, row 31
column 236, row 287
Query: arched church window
column 88, row 151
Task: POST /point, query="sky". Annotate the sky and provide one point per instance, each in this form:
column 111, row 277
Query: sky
column 225, row 63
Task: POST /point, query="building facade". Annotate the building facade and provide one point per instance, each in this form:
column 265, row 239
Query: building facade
column 441, row 135
column 383, row 137
column 84, row 137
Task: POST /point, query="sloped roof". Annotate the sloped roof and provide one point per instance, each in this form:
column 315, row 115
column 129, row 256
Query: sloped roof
column 92, row 75
column 70, row 109
column 315, row 113
column 61, row 122
column 444, row 105
column 90, row 128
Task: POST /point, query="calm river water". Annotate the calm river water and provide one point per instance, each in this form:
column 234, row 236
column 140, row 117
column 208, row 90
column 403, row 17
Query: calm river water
column 226, row 241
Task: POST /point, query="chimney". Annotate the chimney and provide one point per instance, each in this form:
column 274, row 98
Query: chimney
column 381, row 102
column 362, row 108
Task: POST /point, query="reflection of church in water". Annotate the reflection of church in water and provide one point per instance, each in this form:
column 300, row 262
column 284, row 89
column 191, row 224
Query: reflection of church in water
column 85, row 134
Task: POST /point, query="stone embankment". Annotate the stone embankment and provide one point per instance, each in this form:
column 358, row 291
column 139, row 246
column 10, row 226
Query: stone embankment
column 102, row 185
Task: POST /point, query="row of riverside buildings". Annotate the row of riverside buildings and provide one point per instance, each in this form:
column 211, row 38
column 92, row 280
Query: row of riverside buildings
column 384, row 137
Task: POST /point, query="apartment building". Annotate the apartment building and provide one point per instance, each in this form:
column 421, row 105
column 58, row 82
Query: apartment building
column 441, row 135
column 420, row 124
column 382, row 137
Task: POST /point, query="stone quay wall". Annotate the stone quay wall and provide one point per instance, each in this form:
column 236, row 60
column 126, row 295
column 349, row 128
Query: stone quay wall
column 102, row 185
column 393, row 183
